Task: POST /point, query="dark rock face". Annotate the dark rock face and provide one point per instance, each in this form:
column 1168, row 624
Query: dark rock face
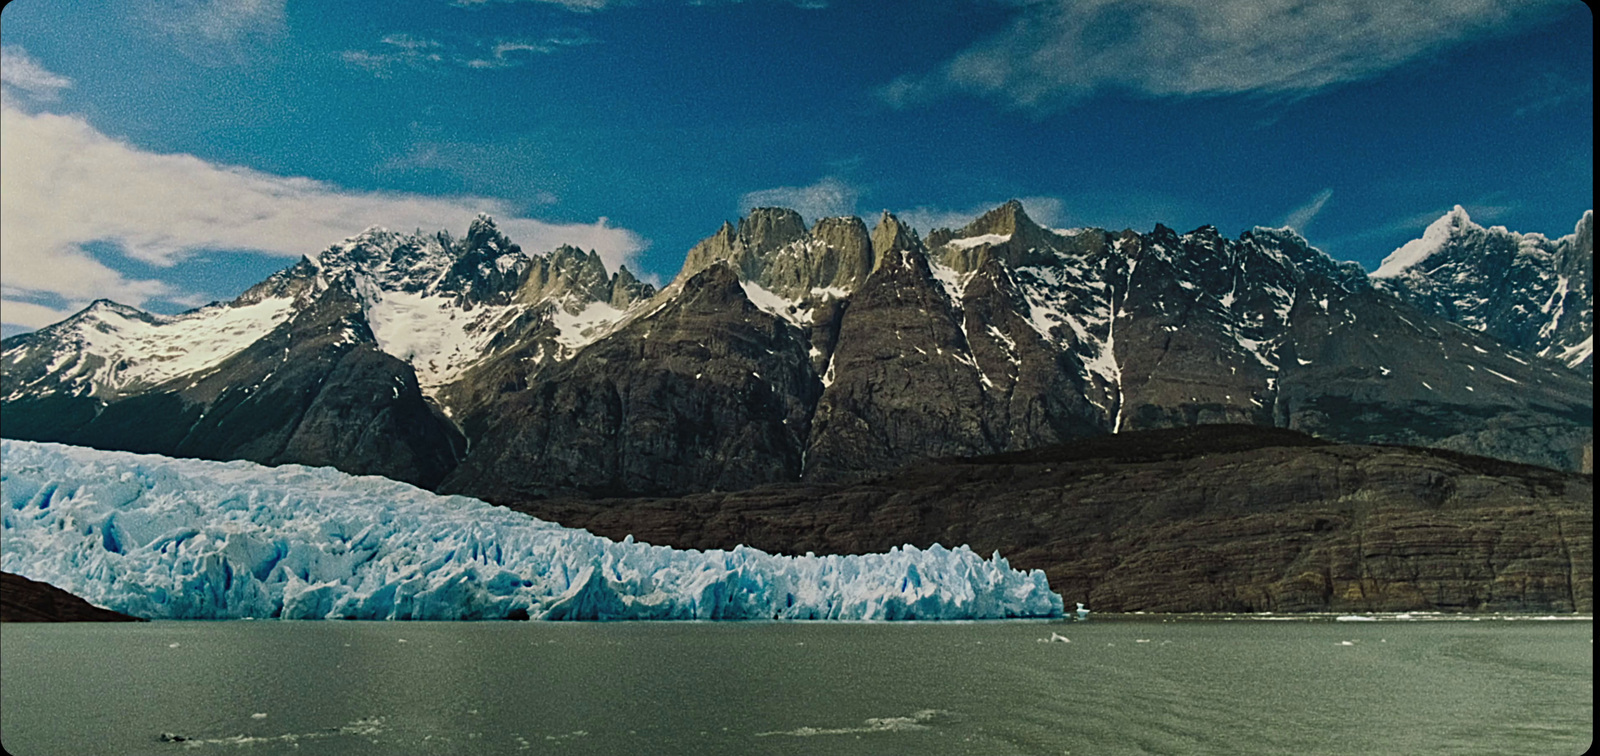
column 706, row 392
column 890, row 398
column 1209, row 518
column 1167, row 330
column 24, row 600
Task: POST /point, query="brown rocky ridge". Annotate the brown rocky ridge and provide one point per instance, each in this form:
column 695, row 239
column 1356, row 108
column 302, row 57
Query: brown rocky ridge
column 1219, row 518
column 25, row 600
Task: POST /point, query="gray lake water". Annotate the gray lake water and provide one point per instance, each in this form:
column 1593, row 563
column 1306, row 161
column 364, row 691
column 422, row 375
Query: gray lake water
column 1147, row 686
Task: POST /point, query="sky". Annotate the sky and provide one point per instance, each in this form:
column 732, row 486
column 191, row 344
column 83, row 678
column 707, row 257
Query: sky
column 169, row 153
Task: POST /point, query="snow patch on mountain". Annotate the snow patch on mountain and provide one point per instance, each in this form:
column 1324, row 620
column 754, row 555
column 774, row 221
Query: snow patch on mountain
column 1578, row 353
column 1437, row 235
column 795, row 311
column 586, row 325
column 438, row 338
column 108, row 349
column 975, row 241
column 954, row 283
column 187, row 539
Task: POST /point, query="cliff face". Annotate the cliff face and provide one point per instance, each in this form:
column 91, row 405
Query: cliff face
column 1213, row 518
column 706, row 391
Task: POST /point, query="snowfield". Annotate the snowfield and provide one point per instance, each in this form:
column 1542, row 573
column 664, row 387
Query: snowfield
column 159, row 538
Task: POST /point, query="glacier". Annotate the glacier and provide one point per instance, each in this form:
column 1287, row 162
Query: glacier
column 164, row 538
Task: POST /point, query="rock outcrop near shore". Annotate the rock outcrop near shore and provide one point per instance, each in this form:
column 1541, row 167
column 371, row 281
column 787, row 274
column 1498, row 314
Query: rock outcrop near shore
column 24, row 600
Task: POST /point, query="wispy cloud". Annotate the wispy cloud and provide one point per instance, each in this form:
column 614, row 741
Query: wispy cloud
column 66, row 186
column 1302, row 216
column 829, row 197
column 215, row 31
column 1046, row 211
column 576, row 6
column 230, row 20
column 590, row 6
column 397, row 51
column 505, row 54
column 19, row 71
column 1553, row 89
column 1061, row 50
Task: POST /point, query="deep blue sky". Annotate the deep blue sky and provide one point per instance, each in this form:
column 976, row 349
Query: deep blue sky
column 149, row 145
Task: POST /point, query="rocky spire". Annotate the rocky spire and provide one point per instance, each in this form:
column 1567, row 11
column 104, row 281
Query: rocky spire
column 718, row 246
column 890, row 236
column 768, row 228
column 851, row 250
column 626, row 289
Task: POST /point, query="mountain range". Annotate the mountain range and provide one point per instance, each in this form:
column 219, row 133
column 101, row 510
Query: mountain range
column 825, row 353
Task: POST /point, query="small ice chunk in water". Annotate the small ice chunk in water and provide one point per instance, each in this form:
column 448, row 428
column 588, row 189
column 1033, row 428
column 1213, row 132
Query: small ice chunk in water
column 1058, row 638
column 259, row 715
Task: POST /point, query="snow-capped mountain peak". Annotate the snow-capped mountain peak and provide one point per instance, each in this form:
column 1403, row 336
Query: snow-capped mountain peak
column 1434, row 238
column 445, row 304
column 1522, row 288
column 109, row 350
column 430, row 299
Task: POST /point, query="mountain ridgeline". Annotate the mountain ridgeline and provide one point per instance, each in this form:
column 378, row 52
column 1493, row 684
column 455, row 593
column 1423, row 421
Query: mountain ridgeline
column 1530, row 292
column 825, row 354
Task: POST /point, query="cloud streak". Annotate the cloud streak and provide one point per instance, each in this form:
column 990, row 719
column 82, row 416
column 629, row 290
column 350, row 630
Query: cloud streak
column 1059, row 51
column 66, row 185
column 590, row 6
column 397, row 51
column 212, row 32
column 19, row 71
column 228, row 20
column 1302, row 216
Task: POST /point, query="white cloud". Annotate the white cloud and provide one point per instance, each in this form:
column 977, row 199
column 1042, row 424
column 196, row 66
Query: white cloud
column 576, row 6
column 19, row 71
column 216, row 30
column 405, row 51
column 29, row 315
column 827, row 198
column 1059, row 50
column 66, row 185
column 590, row 6
column 1302, row 216
column 228, row 20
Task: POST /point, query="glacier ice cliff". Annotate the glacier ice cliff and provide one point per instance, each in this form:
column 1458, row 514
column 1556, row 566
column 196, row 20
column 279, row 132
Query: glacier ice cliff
column 169, row 538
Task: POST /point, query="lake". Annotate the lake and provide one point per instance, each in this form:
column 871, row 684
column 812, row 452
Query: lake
column 1120, row 685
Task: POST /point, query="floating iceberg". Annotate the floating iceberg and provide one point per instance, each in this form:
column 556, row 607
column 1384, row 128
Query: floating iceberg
column 170, row 538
